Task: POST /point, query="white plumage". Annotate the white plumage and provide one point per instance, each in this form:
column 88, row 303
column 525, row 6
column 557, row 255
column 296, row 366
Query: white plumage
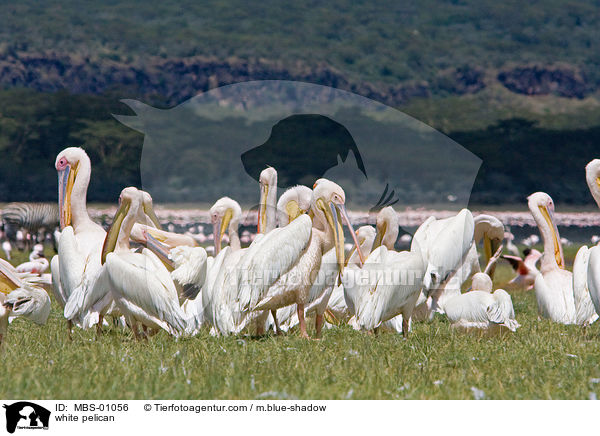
column 480, row 308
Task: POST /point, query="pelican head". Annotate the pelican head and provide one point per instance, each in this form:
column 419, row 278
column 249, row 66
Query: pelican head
column 268, row 191
column 293, row 203
column 67, row 165
column 481, row 282
column 387, row 228
column 365, row 236
column 328, row 205
column 130, row 204
column 224, row 213
column 542, row 208
column 147, row 214
column 491, row 230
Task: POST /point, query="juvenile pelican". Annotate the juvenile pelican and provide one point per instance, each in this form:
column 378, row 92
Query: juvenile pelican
column 554, row 285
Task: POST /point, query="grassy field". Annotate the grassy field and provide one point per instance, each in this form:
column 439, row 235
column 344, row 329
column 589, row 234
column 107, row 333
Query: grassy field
column 541, row 361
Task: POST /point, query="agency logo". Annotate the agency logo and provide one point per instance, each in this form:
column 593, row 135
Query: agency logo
column 26, row 415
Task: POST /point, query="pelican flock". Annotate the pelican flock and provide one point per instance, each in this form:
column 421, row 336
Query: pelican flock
column 298, row 268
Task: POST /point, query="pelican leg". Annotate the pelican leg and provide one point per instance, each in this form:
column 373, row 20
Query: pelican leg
column 145, row 330
column 278, row 330
column 134, row 329
column 405, row 327
column 70, row 329
column 99, row 326
column 319, row 319
column 301, row 320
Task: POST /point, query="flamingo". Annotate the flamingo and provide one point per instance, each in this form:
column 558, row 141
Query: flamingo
column 525, row 268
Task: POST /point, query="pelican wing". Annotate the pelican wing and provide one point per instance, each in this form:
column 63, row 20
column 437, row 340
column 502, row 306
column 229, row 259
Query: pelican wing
column 501, row 310
column 190, row 269
column 585, row 312
column 516, row 263
column 143, row 281
column 593, row 276
column 274, row 255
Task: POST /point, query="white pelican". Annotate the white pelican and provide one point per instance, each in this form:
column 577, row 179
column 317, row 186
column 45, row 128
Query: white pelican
column 78, row 260
column 525, row 268
column 19, row 298
column 140, row 283
column 293, row 203
column 480, row 308
column 446, row 246
column 554, row 285
column 388, row 284
column 267, row 213
column 280, row 268
column 586, row 267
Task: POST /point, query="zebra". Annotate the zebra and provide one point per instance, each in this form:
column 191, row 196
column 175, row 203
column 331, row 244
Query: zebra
column 32, row 217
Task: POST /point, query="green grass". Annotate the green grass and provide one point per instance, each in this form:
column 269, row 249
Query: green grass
column 542, row 360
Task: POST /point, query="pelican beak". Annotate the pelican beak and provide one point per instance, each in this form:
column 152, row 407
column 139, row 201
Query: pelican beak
column 160, row 249
column 344, row 213
column 262, row 212
column 293, row 210
column 334, row 214
column 219, row 229
column 598, row 182
column 360, row 241
column 550, row 221
column 379, row 237
column 110, row 242
column 151, row 215
column 66, row 180
column 9, row 281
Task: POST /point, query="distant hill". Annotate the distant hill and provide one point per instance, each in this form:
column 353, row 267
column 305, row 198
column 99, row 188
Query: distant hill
column 517, row 83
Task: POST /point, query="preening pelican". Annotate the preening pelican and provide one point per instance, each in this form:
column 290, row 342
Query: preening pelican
column 19, row 298
column 94, row 302
column 267, row 213
column 554, row 285
column 79, row 249
column 388, row 284
column 280, row 268
column 293, row 203
column 525, row 268
column 140, row 283
column 449, row 251
column 586, row 267
column 480, row 308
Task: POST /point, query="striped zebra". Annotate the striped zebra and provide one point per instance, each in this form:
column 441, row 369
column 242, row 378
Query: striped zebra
column 32, row 217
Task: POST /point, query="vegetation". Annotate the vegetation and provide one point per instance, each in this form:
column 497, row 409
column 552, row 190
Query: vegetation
column 372, row 40
column 542, row 360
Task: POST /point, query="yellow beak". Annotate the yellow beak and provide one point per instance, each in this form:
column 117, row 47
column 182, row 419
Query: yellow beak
column 557, row 250
column 66, row 180
column 262, row 212
column 110, row 242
